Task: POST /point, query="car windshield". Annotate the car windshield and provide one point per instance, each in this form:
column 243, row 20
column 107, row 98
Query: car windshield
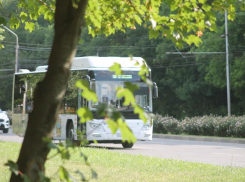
column 106, row 93
column 1, row 111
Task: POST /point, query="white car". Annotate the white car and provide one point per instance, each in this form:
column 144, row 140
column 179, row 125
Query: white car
column 4, row 122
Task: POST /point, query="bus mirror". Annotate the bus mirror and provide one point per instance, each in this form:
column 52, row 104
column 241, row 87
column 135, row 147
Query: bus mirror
column 86, row 77
column 155, row 90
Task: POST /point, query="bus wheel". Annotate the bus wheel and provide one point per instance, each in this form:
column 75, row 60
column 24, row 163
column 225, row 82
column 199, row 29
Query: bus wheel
column 70, row 135
column 127, row 145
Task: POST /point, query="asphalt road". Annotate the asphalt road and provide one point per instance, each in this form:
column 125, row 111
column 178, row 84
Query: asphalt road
column 224, row 154
column 10, row 137
column 217, row 153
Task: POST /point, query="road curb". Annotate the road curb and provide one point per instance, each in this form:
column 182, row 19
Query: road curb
column 199, row 138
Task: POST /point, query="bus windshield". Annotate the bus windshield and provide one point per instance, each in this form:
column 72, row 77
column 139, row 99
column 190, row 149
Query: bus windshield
column 106, row 93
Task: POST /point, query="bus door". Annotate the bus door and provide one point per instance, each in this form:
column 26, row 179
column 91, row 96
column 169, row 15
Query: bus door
column 82, row 102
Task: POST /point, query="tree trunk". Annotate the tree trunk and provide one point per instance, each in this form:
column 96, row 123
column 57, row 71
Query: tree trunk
column 49, row 93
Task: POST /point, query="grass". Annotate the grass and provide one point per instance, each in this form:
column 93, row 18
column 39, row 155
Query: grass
column 114, row 166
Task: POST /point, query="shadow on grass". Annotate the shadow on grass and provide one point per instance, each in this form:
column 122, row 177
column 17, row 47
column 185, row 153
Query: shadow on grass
column 108, row 147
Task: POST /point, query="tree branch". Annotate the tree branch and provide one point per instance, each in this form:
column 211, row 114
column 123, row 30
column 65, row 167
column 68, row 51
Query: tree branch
column 43, row 3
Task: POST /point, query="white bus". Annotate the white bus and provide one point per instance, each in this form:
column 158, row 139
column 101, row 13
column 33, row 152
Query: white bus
column 104, row 82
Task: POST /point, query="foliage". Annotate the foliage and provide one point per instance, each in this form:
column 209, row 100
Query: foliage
column 179, row 26
column 107, row 17
column 229, row 126
column 110, row 164
column 165, row 124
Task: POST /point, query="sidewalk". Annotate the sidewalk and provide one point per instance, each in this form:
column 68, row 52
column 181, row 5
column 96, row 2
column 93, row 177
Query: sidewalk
column 200, row 138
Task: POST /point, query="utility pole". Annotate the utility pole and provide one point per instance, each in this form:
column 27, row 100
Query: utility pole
column 227, row 67
column 16, row 49
column 98, row 52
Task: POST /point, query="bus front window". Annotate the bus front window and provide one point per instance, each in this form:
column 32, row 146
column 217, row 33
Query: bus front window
column 106, row 93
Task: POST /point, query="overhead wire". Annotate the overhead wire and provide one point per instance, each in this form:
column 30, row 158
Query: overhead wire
column 46, row 48
column 6, row 76
column 180, row 65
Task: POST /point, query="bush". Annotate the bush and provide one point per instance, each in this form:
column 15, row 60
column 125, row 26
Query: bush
column 230, row 126
column 165, row 124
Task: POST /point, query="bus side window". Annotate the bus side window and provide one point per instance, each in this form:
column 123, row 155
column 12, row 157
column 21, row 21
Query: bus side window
column 82, row 102
column 62, row 107
column 70, row 106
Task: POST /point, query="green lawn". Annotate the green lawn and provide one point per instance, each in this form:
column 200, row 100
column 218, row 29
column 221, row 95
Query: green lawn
column 114, row 166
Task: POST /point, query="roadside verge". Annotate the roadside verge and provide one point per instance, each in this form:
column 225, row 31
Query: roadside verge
column 200, row 138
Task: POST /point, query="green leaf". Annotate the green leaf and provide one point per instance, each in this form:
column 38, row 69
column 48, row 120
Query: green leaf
column 65, row 154
column 26, row 178
column 85, row 114
column 53, row 146
column 42, row 9
column 112, row 125
column 138, row 19
column 202, row 1
column 46, row 139
column 84, row 85
column 48, row 15
column 14, row 22
column 148, row 82
column 193, row 39
column 64, row 174
column 1, row 31
column 142, row 114
column 231, row 15
column 117, row 69
column 143, row 70
column 132, row 87
column 127, row 94
column 127, row 134
column 29, row 26
column 23, row 16
column 87, row 93
column 101, row 109
column 113, row 113
column 13, row 167
column 153, row 34
column 206, row 7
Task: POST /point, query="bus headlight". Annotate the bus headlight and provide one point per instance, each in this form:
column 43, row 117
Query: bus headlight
column 146, row 127
column 96, row 126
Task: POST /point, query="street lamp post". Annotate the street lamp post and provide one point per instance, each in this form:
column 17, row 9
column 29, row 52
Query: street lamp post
column 227, row 67
column 16, row 49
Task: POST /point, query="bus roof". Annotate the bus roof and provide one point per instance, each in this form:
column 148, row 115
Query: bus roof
column 97, row 63
column 106, row 62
